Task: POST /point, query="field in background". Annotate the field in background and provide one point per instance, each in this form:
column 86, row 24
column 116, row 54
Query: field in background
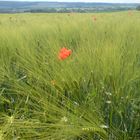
column 94, row 94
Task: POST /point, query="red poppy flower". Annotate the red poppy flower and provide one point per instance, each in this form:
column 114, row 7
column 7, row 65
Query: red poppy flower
column 64, row 53
column 130, row 13
column 94, row 18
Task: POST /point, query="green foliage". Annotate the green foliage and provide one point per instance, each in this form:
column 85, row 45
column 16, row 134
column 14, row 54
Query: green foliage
column 92, row 95
column 138, row 8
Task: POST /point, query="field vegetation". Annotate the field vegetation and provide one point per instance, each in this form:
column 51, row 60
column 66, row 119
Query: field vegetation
column 92, row 93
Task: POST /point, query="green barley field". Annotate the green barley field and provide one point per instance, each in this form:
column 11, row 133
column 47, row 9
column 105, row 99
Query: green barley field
column 93, row 94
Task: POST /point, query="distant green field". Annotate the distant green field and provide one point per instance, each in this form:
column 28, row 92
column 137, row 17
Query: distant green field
column 93, row 94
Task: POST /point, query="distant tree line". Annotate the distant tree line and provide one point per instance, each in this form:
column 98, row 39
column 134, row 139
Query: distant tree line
column 138, row 8
column 78, row 10
column 63, row 10
column 66, row 10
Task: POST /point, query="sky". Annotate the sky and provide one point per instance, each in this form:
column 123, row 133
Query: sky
column 110, row 1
